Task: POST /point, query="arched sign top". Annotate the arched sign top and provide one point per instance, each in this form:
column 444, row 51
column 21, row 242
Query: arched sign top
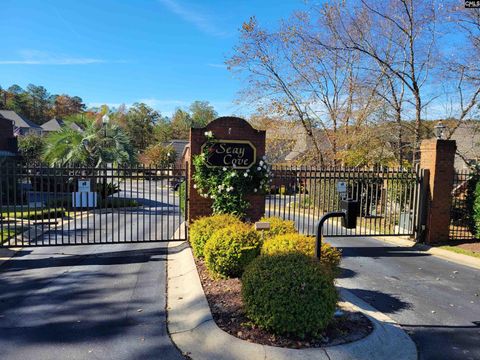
column 229, row 121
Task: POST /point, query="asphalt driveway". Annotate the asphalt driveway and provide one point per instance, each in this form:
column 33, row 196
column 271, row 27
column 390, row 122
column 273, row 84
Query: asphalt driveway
column 92, row 301
column 85, row 302
column 436, row 301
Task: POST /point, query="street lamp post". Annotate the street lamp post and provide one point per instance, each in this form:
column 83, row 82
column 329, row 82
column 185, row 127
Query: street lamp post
column 105, row 121
column 439, row 130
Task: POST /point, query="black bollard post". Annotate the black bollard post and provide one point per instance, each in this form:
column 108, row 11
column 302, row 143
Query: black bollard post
column 318, row 242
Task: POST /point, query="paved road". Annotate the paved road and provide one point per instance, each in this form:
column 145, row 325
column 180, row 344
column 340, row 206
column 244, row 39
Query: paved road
column 437, row 302
column 89, row 301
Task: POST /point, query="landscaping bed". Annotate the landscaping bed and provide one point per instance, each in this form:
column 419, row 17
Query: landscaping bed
column 226, row 304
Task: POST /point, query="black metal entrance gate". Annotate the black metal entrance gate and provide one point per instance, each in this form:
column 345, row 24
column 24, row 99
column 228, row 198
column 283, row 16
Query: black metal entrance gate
column 390, row 200
column 44, row 206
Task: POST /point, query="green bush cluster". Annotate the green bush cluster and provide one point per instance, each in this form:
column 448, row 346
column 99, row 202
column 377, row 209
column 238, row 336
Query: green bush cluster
column 203, row 228
column 473, row 203
column 290, row 294
column 288, row 243
column 285, row 289
column 231, row 249
column 278, row 226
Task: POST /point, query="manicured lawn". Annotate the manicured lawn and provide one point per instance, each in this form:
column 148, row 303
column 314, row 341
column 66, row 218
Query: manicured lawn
column 38, row 214
column 459, row 250
column 6, row 234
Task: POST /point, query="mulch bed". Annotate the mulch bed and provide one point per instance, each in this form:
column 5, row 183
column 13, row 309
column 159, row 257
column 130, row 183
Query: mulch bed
column 225, row 300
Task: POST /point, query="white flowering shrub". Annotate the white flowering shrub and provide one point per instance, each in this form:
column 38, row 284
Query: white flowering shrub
column 227, row 187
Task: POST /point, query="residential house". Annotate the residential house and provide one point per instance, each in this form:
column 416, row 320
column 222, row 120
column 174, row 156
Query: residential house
column 467, row 136
column 8, row 141
column 57, row 124
column 21, row 125
column 180, row 147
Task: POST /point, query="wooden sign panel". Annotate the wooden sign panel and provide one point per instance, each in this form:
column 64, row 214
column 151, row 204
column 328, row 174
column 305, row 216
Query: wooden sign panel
column 240, row 154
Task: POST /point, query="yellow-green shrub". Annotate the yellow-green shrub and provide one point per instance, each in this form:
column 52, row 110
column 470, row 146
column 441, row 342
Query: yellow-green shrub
column 278, row 226
column 290, row 294
column 231, row 249
column 282, row 244
column 203, row 228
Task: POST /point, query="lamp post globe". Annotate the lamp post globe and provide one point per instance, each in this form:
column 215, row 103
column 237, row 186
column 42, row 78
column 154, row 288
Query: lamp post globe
column 105, row 121
column 439, row 130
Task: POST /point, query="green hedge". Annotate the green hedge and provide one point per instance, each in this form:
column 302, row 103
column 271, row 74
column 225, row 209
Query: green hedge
column 203, row 228
column 37, row 214
column 181, row 194
column 289, row 294
column 473, row 204
column 278, row 226
column 231, row 249
column 288, row 243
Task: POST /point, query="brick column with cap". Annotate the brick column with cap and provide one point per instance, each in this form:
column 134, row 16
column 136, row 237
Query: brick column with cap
column 225, row 128
column 438, row 157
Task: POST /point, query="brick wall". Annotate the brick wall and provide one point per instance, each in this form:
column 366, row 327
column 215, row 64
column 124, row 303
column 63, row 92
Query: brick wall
column 438, row 157
column 224, row 128
column 7, row 139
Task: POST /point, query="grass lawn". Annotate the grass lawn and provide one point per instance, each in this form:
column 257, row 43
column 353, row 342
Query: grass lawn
column 6, row 234
column 38, row 214
column 460, row 250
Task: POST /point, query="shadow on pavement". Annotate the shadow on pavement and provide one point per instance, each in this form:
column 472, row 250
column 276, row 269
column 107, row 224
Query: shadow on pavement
column 99, row 258
column 346, row 273
column 380, row 251
column 384, row 303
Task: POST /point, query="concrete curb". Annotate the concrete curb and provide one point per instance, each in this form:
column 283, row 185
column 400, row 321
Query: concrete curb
column 193, row 330
column 451, row 256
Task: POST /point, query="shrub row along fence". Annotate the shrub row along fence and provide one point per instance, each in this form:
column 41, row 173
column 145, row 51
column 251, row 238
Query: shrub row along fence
column 462, row 221
column 389, row 199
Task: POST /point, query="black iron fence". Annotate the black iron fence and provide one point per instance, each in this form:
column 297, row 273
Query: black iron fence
column 42, row 206
column 389, row 199
column 461, row 216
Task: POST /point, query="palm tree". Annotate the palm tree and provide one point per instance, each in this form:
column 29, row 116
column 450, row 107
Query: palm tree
column 93, row 147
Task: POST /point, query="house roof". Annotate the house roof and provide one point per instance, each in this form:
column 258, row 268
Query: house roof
column 53, row 125
column 57, row 124
column 178, row 146
column 19, row 121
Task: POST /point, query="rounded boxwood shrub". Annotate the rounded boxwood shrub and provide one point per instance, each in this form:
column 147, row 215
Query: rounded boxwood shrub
column 282, row 244
column 203, row 228
column 278, row 226
column 289, row 294
column 231, row 249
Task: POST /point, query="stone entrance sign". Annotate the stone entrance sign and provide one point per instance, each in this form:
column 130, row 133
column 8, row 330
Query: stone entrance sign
column 236, row 142
column 231, row 153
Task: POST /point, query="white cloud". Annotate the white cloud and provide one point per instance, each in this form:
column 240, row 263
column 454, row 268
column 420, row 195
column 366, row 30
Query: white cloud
column 36, row 57
column 158, row 103
column 201, row 21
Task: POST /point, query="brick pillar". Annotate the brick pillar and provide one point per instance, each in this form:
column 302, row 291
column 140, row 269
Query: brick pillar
column 224, row 128
column 438, row 156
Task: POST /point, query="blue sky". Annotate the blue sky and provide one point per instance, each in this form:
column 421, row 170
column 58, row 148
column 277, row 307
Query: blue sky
column 166, row 53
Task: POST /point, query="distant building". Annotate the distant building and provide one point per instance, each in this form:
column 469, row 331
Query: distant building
column 8, row 141
column 21, row 126
column 57, row 124
column 180, row 147
column 467, row 136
